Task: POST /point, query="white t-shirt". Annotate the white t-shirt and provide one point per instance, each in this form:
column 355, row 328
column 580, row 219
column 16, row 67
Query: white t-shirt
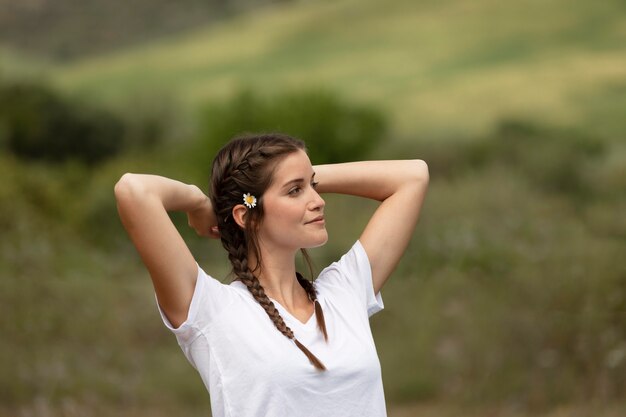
column 252, row 370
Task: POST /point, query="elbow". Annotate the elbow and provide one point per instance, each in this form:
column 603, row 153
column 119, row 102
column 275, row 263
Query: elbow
column 126, row 187
column 418, row 172
column 416, row 177
column 411, row 177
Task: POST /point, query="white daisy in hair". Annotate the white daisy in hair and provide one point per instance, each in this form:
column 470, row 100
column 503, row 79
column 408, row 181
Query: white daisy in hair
column 249, row 200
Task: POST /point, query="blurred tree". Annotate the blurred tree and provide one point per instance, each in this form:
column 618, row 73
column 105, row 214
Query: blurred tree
column 38, row 124
column 553, row 158
column 67, row 29
column 333, row 130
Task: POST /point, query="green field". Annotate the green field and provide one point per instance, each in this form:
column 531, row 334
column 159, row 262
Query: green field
column 439, row 67
column 511, row 300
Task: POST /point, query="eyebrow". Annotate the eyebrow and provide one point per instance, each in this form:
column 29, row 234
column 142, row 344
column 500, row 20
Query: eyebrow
column 296, row 181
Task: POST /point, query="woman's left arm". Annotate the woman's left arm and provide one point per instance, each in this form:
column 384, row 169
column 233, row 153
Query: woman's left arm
column 400, row 186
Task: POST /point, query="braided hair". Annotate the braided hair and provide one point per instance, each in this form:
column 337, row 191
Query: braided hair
column 246, row 165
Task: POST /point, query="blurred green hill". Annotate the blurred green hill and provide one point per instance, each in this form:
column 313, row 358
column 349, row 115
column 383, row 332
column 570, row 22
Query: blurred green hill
column 440, row 68
column 511, row 299
column 67, row 29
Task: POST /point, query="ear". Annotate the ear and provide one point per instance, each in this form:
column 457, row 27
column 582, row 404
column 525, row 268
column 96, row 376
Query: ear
column 239, row 215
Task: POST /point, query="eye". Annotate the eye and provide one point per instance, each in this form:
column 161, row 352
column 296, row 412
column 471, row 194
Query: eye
column 314, row 184
column 295, row 190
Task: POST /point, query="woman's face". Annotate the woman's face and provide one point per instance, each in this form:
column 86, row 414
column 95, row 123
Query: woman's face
column 293, row 210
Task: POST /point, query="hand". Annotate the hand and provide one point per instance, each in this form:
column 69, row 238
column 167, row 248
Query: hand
column 204, row 221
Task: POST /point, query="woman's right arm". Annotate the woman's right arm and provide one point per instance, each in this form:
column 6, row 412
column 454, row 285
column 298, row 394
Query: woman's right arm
column 143, row 202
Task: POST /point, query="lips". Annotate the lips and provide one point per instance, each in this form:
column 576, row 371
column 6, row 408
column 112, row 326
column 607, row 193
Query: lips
column 319, row 219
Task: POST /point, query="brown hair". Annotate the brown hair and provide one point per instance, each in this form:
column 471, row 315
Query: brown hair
column 246, row 165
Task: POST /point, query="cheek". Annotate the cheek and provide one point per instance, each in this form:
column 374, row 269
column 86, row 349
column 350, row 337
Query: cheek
column 277, row 218
column 284, row 213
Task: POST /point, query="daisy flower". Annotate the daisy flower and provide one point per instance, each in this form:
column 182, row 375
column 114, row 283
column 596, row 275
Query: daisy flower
column 249, row 200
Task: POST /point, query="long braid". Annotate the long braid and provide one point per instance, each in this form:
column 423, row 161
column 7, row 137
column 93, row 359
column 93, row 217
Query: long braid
column 238, row 259
column 241, row 270
column 244, row 165
column 309, row 287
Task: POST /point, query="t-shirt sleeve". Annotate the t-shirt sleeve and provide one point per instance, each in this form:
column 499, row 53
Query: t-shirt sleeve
column 354, row 273
column 209, row 297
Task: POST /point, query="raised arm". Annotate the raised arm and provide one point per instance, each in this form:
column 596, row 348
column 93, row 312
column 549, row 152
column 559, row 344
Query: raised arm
column 143, row 202
column 400, row 186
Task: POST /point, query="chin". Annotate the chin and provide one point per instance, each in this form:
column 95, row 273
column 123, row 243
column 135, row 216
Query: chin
column 321, row 242
column 316, row 242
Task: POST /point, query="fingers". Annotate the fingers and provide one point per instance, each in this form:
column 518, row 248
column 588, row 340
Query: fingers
column 212, row 232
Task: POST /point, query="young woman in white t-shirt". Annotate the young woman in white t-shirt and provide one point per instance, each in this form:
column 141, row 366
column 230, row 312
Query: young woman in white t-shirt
column 272, row 343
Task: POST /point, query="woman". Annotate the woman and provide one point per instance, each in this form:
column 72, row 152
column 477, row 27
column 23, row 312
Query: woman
column 247, row 339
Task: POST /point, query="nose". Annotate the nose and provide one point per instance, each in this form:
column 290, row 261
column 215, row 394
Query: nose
column 317, row 202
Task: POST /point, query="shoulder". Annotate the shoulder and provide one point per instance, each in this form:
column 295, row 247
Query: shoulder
column 351, row 278
column 351, row 272
column 354, row 261
column 210, row 298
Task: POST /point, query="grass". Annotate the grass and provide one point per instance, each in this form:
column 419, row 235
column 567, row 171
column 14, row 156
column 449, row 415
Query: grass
column 74, row 409
column 437, row 67
column 511, row 298
column 500, row 276
column 507, row 295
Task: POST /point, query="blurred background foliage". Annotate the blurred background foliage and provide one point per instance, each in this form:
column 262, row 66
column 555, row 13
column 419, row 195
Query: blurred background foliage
column 335, row 131
column 70, row 29
column 512, row 297
column 37, row 124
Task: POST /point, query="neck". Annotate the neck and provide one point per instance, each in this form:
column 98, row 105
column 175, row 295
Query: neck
column 278, row 276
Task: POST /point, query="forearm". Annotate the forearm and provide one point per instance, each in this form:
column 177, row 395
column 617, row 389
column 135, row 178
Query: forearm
column 143, row 202
column 173, row 195
column 377, row 180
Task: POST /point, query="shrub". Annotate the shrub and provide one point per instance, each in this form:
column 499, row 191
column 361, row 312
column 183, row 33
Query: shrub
column 334, row 130
column 556, row 160
column 38, row 124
